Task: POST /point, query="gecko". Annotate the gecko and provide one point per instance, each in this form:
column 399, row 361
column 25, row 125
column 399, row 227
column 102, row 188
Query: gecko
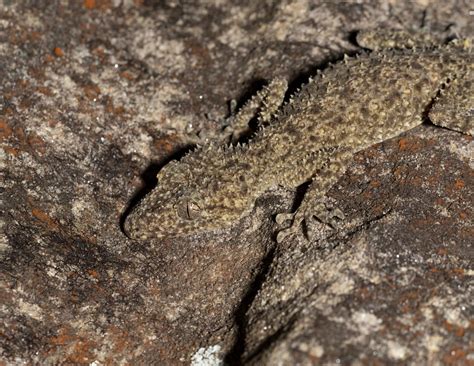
column 383, row 91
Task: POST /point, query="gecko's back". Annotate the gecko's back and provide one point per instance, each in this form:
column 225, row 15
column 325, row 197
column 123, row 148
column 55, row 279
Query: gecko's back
column 360, row 102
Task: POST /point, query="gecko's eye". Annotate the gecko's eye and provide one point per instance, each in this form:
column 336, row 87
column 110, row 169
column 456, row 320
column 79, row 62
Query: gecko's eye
column 189, row 210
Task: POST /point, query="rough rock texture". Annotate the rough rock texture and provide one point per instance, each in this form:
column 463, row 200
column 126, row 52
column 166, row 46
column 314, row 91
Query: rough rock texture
column 96, row 96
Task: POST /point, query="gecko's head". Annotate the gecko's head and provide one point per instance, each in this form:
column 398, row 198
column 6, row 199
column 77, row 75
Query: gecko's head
column 193, row 196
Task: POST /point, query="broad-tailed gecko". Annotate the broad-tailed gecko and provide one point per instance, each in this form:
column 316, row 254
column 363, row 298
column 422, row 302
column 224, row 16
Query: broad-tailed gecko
column 348, row 107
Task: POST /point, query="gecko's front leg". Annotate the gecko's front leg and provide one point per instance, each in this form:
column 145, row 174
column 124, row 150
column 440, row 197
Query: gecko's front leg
column 312, row 207
column 264, row 105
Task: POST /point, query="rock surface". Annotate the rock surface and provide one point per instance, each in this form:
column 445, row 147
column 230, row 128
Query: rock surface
column 96, row 96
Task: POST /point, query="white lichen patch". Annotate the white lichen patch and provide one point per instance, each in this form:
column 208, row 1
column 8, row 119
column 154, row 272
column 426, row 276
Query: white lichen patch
column 161, row 54
column 366, row 323
column 433, row 343
column 345, row 286
column 465, row 151
column 29, row 309
column 288, row 22
column 4, row 245
column 209, row 356
column 451, row 309
column 312, row 349
column 396, row 351
column 154, row 108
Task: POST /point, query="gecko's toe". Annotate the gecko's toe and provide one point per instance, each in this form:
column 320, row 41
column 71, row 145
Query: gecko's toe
column 282, row 218
column 282, row 234
column 294, row 226
column 327, row 215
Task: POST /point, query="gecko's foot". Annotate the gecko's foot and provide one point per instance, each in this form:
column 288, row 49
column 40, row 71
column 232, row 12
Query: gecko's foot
column 319, row 212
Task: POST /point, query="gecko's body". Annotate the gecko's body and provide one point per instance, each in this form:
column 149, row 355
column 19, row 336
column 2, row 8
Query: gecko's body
column 347, row 108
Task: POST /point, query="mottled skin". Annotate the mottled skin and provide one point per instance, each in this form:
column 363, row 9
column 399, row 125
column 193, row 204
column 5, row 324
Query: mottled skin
column 347, row 108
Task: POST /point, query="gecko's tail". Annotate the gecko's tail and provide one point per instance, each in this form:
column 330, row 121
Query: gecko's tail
column 396, row 38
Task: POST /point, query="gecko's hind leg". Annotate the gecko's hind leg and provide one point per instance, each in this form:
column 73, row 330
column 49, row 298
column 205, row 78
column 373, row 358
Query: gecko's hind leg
column 263, row 105
column 454, row 106
column 312, row 207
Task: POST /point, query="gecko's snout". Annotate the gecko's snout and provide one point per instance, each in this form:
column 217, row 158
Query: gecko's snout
column 133, row 227
column 129, row 227
column 141, row 224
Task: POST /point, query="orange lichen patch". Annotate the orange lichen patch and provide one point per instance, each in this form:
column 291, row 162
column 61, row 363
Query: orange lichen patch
column 8, row 111
column 38, row 73
column 35, row 36
column 440, row 201
column 20, row 135
column 456, row 356
column 77, row 348
column 458, row 272
column 378, row 209
column 74, row 295
column 97, row 4
column 455, row 329
column 168, row 144
column 36, row 143
column 408, row 301
column 58, row 52
column 417, row 181
column 413, row 144
column 199, row 50
column 11, row 150
column 5, row 130
column 64, row 337
column 367, row 194
column 100, row 53
column 421, row 222
column 463, row 215
column 25, row 103
column 44, row 90
column 23, row 83
column 375, row 183
column 127, row 75
column 119, row 338
column 82, row 352
column 91, row 91
column 52, row 123
column 89, row 4
column 110, row 108
column 400, row 171
column 93, row 273
column 459, row 184
column 154, row 290
column 453, row 188
column 403, row 144
column 31, row 142
column 442, row 251
column 48, row 59
column 44, row 218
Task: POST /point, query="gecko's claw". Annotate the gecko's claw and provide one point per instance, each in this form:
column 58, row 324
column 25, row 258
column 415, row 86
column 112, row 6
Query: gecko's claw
column 294, row 226
column 328, row 216
column 281, row 218
column 319, row 212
